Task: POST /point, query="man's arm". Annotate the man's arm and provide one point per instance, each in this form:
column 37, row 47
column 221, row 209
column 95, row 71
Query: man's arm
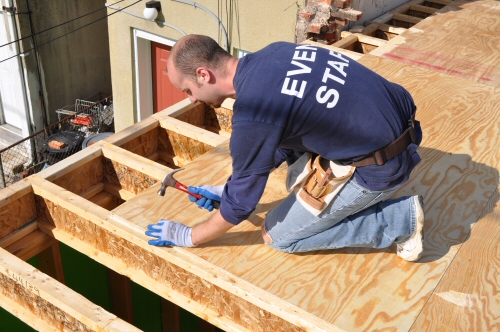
column 210, row 229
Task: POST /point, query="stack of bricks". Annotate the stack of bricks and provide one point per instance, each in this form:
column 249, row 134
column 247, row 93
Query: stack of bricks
column 324, row 20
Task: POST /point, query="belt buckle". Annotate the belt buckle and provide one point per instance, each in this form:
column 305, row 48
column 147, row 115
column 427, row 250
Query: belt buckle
column 381, row 152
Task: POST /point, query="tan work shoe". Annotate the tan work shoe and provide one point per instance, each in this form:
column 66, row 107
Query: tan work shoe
column 412, row 249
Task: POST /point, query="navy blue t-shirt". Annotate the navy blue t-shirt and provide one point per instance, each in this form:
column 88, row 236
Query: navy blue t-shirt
column 302, row 98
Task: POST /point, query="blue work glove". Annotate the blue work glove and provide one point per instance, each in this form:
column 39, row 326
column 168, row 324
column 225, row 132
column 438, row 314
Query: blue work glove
column 210, row 193
column 170, row 233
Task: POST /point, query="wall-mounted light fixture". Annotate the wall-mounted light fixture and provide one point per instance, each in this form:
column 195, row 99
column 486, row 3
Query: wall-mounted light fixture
column 151, row 10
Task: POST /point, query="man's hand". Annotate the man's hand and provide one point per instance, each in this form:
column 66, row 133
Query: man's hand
column 170, row 233
column 208, row 191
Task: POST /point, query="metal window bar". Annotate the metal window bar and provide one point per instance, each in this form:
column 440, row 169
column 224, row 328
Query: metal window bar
column 31, row 154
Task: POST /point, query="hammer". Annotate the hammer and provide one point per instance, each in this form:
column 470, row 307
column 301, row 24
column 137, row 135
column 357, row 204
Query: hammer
column 169, row 181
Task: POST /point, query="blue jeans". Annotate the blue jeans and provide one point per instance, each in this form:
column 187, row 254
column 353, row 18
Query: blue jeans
column 357, row 217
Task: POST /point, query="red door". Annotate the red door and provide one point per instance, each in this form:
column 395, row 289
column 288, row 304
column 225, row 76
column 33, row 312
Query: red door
column 165, row 94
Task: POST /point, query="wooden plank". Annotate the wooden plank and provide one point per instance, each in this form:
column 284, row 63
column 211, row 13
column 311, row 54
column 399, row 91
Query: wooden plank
column 132, row 132
column 31, row 245
column 365, row 39
column 17, row 207
column 383, row 19
column 170, row 316
column 179, row 108
column 141, row 164
column 406, row 18
column 346, row 42
column 72, row 162
column 50, row 263
column 466, row 298
column 118, row 191
column 462, row 41
column 46, row 304
column 423, row 9
column 191, row 131
column 107, row 232
column 143, row 145
column 92, row 191
column 181, row 146
column 120, row 294
column 18, row 234
column 350, row 54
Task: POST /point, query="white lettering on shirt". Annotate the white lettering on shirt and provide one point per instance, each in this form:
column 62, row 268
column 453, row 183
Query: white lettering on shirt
column 292, row 91
column 330, row 93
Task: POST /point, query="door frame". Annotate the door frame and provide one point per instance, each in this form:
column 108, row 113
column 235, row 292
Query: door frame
column 144, row 72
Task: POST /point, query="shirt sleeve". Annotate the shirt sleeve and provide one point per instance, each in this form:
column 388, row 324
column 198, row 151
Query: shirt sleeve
column 281, row 155
column 253, row 146
column 241, row 195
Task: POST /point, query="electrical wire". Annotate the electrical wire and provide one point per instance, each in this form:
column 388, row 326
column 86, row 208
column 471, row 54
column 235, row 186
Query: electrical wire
column 17, row 40
column 86, row 25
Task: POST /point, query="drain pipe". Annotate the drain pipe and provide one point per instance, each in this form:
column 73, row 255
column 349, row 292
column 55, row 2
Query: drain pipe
column 139, row 16
column 187, row 2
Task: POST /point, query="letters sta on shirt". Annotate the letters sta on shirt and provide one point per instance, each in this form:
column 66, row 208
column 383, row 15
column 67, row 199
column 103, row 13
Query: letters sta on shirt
column 334, row 71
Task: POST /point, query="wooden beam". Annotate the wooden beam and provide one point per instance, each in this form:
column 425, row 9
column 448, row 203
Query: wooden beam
column 17, row 207
column 118, row 191
column 179, row 108
column 48, row 305
column 131, row 255
column 17, row 235
column 406, row 18
column 423, row 9
column 350, row 54
column 387, row 28
column 138, row 163
column 346, row 42
column 134, row 131
column 31, row 245
column 92, row 191
column 50, row 263
column 383, row 19
column 190, row 131
column 364, row 39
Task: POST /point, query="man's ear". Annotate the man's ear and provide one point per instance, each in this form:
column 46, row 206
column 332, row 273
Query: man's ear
column 203, row 75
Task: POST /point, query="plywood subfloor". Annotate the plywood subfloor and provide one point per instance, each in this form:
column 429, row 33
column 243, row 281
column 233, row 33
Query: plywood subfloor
column 462, row 39
column 360, row 289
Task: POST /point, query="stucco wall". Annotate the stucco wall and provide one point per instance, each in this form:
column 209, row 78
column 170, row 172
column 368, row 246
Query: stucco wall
column 74, row 66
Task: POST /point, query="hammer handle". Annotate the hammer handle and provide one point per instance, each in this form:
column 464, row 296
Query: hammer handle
column 183, row 188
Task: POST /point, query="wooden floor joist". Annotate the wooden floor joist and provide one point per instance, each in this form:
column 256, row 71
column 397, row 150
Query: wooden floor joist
column 238, row 283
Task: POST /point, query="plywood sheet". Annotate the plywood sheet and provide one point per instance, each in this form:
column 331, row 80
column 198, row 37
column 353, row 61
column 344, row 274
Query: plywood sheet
column 467, row 298
column 360, row 289
column 462, row 40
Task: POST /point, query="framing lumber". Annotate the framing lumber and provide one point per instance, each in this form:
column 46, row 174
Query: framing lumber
column 31, row 245
column 50, row 263
column 406, row 18
column 17, row 207
column 350, row 54
column 45, row 304
column 364, row 39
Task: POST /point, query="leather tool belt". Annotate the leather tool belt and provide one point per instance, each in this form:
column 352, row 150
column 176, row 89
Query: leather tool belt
column 316, row 181
column 381, row 156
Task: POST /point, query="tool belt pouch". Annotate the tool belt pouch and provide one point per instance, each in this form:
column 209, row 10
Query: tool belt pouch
column 305, row 178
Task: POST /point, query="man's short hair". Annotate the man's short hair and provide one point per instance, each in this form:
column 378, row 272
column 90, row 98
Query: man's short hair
column 194, row 51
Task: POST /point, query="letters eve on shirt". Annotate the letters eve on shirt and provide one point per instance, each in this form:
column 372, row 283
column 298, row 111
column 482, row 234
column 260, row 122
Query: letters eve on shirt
column 325, row 93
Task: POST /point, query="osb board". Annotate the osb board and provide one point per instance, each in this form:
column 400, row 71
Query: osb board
column 127, row 178
column 17, row 207
column 27, row 297
column 195, row 115
column 462, row 39
column 82, row 178
column 467, row 298
column 360, row 289
column 238, row 310
column 219, row 118
column 181, row 146
column 144, row 145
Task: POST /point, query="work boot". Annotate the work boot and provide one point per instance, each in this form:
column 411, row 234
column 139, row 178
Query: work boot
column 411, row 249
